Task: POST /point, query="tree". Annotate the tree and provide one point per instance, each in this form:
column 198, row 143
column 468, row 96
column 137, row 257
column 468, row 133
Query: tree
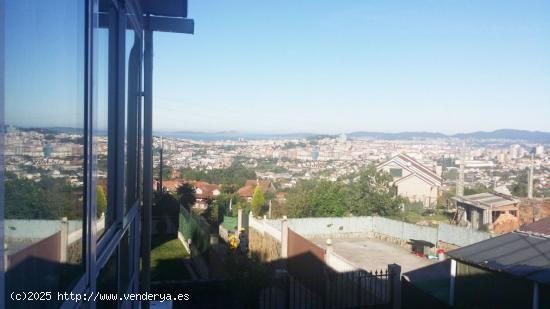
column 258, row 201
column 521, row 183
column 374, row 194
column 48, row 198
column 213, row 215
column 101, row 201
column 165, row 212
column 236, row 174
column 476, row 190
column 186, row 195
column 318, row 198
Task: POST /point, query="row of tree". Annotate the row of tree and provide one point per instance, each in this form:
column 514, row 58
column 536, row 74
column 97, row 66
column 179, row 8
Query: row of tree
column 47, row 198
column 369, row 193
column 233, row 176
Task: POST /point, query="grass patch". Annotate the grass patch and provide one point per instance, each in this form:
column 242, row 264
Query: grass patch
column 167, row 259
column 415, row 217
column 230, row 223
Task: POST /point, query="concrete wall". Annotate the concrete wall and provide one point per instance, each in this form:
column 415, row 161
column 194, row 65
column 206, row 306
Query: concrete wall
column 36, row 229
column 319, row 227
column 338, row 263
column 460, row 236
column 384, row 228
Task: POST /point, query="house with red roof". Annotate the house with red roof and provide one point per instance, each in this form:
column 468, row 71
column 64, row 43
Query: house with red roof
column 204, row 192
column 247, row 191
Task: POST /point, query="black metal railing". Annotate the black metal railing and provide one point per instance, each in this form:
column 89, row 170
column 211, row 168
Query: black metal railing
column 355, row 289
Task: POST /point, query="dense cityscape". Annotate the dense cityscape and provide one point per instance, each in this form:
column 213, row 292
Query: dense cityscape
column 494, row 164
column 490, row 165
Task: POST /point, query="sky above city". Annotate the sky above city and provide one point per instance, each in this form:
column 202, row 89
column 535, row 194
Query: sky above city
column 348, row 65
column 306, row 66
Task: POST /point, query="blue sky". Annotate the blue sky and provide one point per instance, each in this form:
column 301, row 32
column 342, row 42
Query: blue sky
column 340, row 66
column 44, row 63
column 308, row 66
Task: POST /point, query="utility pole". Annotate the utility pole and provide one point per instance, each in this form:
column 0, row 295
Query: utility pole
column 531, row 176
column 161, row 164
column 460, row 184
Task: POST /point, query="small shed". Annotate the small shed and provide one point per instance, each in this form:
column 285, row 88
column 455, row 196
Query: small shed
column 483, row 209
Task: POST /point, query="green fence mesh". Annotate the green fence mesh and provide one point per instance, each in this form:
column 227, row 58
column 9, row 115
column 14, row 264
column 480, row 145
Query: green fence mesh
column 191, row 226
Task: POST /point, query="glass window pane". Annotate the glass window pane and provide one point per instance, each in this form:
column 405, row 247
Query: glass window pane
column 44, row 154
column 105, row 212
column 133, row 83
column 107, row 281
column 126, row 263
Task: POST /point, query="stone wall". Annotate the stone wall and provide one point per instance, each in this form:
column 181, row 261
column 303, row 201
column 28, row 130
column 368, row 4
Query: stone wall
column 263, row 246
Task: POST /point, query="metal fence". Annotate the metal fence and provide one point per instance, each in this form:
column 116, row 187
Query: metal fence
column 357, row 289
column 194, row 228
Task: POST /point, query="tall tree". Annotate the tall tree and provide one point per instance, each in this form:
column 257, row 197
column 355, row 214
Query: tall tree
column 101, row 201
column 258, row 201
column 318, row 198
column 374, row 194
column 186, row 195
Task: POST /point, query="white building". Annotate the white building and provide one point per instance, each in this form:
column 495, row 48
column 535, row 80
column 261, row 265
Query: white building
column 539, row 150
column 413, row 180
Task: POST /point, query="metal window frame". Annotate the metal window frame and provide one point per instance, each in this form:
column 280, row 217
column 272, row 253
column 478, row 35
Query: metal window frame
column 83, row 283
column 125, row 13
column 97, row 252
column 119, row 131
column 2, row 285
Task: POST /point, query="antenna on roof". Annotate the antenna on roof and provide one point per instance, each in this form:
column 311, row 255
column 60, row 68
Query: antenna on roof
column 531, row 176
column 161, row 164
column 460, row 184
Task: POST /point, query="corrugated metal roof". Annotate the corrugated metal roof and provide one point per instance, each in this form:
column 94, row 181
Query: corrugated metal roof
column 518, row 253
column 487, row 200
column 539, row 227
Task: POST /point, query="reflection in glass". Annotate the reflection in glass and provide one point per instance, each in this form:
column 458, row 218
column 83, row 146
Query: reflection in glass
column 133, row 83
column 105, row 213
column 44, row 145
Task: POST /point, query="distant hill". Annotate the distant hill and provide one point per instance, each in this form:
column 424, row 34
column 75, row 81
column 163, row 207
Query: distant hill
column 230, row 135
column 504, row 134
column 398, row 136
column 530, row 136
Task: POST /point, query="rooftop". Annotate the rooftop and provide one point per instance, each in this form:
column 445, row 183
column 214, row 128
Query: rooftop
column 415, row 167
column 541, row 227
column 519, row 254
column 487, row 200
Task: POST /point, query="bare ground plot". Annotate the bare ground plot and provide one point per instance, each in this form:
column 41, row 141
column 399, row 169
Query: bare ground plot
column 375, row 254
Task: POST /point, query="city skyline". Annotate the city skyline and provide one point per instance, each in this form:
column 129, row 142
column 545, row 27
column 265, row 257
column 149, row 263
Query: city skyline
column 320, row 67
